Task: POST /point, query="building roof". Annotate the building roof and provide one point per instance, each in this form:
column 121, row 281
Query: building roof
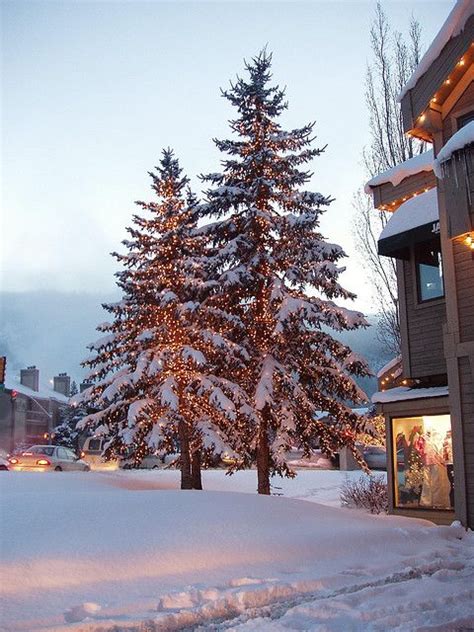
column 390, row 365
column 44, row 391
column 418, row 211
column 454, row 25
column 462, row 138
column 395, row 175
column 402, row 393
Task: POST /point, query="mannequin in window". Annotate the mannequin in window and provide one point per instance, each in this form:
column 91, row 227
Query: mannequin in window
column 435, row 487
column 414, row 465
column 448, row 459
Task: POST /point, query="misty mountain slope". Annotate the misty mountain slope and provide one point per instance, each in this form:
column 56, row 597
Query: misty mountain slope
column 49, row 329
column 52, row 330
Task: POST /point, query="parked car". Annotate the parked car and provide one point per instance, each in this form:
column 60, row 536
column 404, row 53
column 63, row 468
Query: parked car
column 92, row 454
column 44, row 458
column 4, row 464
column 375, row 457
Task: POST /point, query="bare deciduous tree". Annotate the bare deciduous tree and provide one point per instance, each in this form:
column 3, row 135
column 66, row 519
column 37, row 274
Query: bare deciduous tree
column 394, row 58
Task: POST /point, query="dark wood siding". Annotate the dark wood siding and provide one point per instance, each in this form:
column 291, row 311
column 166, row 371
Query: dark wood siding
column 424, row 330
column 460, row 196
column 386, row 193
column 464, row 103
column 458, row 181
column 466, row 375
column 464, row 263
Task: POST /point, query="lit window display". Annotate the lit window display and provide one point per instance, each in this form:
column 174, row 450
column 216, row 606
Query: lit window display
column 423, row 461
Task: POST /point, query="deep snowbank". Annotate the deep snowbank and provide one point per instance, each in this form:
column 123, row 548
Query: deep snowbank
column 89, row 551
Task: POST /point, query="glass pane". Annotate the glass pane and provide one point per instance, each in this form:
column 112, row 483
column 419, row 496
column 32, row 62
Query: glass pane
column 423, row 462
column 465, row 119
column 94, row 445
column 429, row 270
column 42, row 449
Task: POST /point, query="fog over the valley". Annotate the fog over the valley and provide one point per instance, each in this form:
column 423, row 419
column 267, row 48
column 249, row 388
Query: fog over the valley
column 53, row 329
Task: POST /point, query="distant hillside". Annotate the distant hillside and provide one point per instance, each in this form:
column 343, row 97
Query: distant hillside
column 49, row 329
column 52, row 329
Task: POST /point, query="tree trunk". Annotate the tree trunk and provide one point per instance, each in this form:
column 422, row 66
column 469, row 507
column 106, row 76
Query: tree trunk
column 186, row 479
column 263, row 461
column 196, row 469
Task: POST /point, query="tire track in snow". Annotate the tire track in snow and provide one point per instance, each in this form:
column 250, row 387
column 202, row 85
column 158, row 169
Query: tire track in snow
column 276, row 610
column 232, row 609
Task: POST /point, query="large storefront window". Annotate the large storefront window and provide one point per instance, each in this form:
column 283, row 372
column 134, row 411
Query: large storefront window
column 423, row 462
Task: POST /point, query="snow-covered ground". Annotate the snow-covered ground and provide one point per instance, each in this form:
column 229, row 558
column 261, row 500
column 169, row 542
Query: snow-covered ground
column 117, row 551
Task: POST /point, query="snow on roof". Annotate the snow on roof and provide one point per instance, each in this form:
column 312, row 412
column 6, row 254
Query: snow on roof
column 44, row 391
column 361, row 411
column 390, row 365
column 454, row 24
column 462, row 138
column 417, row 211
column 401, row 393
column 412, row 166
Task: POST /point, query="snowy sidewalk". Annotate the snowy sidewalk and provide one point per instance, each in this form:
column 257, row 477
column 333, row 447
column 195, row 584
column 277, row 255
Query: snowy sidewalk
column 126, row 551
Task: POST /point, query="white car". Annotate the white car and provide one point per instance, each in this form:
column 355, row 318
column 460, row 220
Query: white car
column 4, row 464
column 92, row 454
column 47, row 458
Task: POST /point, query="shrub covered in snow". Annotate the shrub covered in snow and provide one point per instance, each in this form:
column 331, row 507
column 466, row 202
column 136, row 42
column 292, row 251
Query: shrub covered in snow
column 366, row 492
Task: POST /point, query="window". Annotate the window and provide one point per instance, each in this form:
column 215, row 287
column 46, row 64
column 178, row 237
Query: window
column 95, row 445
column 42, row 449
column 429, row 270
column 465, row 119
column 62, row 454
column 70, row 454
column 423, row 462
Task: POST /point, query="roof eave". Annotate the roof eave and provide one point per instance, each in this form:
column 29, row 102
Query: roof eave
column 437, row 83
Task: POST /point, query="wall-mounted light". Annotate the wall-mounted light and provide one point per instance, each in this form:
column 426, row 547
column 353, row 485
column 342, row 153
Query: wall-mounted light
column 469, row 240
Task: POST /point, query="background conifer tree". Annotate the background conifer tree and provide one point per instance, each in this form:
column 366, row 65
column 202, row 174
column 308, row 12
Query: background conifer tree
column 66, row 432
column 266, row 255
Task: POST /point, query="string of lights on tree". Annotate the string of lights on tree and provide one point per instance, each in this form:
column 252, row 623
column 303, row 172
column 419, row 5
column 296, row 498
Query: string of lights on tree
column 226, row 329
column 152, row 371
column 277, row 276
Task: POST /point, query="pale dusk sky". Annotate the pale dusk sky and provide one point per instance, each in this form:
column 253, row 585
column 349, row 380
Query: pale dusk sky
column 92, row 91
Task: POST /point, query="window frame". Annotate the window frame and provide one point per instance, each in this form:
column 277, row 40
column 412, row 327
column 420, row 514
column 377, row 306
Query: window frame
column 62, row 454
column 392, row 462
column 463, row 118
column 420, row 302
column 92, row 449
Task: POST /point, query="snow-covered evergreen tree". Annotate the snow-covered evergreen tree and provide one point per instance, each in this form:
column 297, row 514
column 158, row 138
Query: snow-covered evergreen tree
column 66, row 432
column 152, row 370
column 276, row 278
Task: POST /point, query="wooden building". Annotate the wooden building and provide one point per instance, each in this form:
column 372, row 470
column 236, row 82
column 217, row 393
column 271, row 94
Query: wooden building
column 430, row 412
